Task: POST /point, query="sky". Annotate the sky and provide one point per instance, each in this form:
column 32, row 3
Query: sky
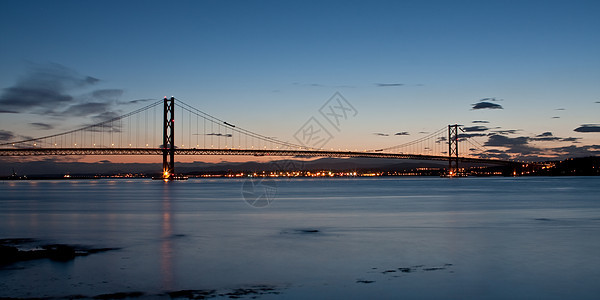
column 523, row 77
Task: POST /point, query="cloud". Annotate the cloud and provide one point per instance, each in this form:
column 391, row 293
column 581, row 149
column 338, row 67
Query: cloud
column 588, row 128
column 498, row 140
column 491, row 99
column 571, row 139
column 486, row 105
column 6, row 135
column 496, row 154
column 597, row 102
column 507, row 131
column 441, row 139
column 107, row 94
column 464, row 136
column 220, row 134
column 518, row 145
column 3, row 111
column 381, row 134
column 402, row 133
column 55, row 90
column 560, row 109
column 322, row 85
column 555, row 117
column 136, row 101
column 482, row 122
column 578, row 151
column 494, row 151
column 477, row 128
column 86, row 109
column 44, row 89
column 104, row 116
column 41, row 126
column 389, row 84
column 546, row 136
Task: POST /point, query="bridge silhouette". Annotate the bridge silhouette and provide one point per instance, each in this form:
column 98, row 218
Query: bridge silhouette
column 199, row 133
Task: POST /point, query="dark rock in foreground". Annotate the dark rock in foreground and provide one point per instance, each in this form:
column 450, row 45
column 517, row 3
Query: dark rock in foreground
column 10, row 252
column 121, row 295
column 243, row 292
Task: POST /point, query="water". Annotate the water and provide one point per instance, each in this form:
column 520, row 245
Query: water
column 426, row 238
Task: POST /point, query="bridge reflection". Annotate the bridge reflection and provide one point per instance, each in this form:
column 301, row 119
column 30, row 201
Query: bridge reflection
column 166, row 245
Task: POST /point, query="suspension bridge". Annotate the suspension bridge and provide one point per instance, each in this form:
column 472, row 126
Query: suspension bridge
column 200, row 133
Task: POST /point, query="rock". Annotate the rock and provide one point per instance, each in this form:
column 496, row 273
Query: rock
column 10, row 253
column 365, row 281
column 59, row 252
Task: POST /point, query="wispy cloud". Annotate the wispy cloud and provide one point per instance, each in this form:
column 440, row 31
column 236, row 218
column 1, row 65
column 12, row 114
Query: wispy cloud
column 55, row 90
column 380, row 134
column 105, row 116
column 45, row 88
column 41, row 126
column 588, row 128
column 136, row 101
column 6, row 135
column 389, row 84
column 506, row 131
column 86, row 109
column 402, row 133
column 219, row 134
column 571, row 139
column 107, row 94
column 321, row 85
column 479, row 121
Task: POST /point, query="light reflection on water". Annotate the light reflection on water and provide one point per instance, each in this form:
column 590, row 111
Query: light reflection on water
column 166, row 249
column 473, row 237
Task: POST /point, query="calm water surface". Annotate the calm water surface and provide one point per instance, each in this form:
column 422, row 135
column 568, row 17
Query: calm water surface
column 426, row 238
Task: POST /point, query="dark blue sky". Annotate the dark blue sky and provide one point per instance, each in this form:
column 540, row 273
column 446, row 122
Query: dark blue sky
column 406, row 66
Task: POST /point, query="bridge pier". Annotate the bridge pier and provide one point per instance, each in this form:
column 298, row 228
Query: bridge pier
column 168, row 146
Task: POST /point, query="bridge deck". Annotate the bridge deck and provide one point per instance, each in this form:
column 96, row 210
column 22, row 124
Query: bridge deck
column 249, row 152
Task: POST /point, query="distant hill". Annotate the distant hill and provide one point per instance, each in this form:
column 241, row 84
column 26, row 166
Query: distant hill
column 49, row 167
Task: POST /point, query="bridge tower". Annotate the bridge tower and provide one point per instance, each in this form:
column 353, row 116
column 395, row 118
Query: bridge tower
column 168, row 145
column 453, row 150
